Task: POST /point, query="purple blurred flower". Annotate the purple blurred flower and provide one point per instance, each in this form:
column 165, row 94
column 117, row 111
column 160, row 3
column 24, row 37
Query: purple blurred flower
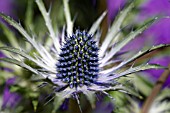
column 159, row 31
column 157, row 34
column 10, row 99
column 154, row 7
column 101, row 106
column 114, row 7
column 1, row 55
column 106, row 107
column 6, row 7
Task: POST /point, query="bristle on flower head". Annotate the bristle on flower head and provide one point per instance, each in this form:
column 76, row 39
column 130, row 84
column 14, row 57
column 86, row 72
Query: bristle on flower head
column 78, row 61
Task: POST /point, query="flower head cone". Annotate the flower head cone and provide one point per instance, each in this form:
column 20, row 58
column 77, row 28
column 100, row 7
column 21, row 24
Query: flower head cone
column 76, row 62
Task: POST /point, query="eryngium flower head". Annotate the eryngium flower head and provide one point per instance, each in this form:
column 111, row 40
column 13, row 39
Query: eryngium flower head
column 77, row 62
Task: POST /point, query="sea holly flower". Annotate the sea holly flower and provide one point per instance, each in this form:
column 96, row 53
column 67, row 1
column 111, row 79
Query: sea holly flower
column 76, row 62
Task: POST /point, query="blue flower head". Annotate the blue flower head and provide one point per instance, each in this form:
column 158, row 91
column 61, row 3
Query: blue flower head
column 78, row 62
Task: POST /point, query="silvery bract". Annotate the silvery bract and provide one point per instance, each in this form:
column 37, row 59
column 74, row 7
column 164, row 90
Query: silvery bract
column 76, row 62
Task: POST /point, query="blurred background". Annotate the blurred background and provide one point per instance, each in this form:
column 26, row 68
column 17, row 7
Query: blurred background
column 16, row 98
